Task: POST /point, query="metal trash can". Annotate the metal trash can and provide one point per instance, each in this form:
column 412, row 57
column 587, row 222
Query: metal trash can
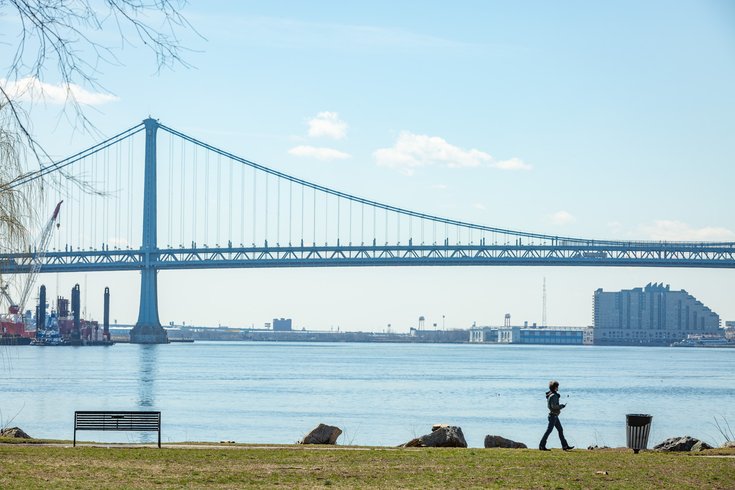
column 637, row 426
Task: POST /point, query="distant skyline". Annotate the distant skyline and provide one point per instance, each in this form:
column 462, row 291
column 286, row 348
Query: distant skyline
column 609, row 121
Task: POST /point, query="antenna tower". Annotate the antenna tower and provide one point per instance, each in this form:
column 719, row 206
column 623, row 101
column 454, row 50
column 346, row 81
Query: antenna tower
column 543, row 313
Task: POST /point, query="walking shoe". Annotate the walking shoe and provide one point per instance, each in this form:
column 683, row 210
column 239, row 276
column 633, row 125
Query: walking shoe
column 543, row 448
column 568, row 448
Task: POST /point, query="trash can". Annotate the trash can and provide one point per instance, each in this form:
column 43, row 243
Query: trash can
column 638, row 426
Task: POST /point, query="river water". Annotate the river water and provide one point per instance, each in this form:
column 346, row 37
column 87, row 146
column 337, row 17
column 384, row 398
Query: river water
column 379, row 394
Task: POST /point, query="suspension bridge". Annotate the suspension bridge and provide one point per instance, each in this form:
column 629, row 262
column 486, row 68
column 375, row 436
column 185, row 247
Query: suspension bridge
column 201, row 207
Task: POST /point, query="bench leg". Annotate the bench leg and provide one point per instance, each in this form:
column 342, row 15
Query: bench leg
column 159, row 438
column 75, row 438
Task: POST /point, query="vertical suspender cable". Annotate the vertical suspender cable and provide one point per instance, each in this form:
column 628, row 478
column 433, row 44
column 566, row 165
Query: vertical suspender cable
column 118, row 190
column 206, row 197
column 93, row 204
column 398, row 228
column 375, row 224
column 313, row 215
column 302, row 215
column 255, row 175
column 266, row 208
column 131, row 182
column 106, row 197
column 219, row 198
column 194, row 187
column 183, row 193
column 386, row 227
column 278, row 211
column 229, row 233
column 169, row 238
column 242, row 205
column 290, row 209
column 83, row 210
column 95, row 199
column 326, row 219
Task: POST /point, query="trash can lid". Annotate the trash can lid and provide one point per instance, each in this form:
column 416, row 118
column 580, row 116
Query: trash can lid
column 638, row 419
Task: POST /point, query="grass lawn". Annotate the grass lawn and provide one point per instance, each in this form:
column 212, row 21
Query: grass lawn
column 38, row 466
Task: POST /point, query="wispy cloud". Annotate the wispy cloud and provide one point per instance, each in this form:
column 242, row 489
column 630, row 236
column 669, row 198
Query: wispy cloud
column 677, row 230
column 512, row 164
column 320, row 153
column 34, row 90
column 412, row 151
column 285, row 33
column 562, row 218
column 327, row 124
column 480, row 206
column 440, row 187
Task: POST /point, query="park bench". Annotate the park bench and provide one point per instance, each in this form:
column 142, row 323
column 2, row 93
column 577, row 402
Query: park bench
column 118, row 421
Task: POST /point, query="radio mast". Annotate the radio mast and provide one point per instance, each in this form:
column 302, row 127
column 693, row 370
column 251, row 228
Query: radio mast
column 543, row 313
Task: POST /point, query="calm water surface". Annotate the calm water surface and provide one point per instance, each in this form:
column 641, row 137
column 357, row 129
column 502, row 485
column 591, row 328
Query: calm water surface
column 379, row 394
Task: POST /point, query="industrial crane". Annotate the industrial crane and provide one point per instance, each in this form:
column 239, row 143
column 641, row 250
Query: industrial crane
column 36, row 263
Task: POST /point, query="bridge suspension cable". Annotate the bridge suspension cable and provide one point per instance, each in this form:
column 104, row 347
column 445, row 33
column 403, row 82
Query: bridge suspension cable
column 61, row 164
column 460, row 227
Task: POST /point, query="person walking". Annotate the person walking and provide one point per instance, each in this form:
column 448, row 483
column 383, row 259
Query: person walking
column 552, row 401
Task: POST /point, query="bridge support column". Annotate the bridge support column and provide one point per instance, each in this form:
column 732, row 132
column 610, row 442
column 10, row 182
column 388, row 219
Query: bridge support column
column 148, row 329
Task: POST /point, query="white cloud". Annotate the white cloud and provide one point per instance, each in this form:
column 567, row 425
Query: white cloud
column 440, row 187
column 679, row 231
column 417, row 150
column 512, row 164
column 320, row 153
column 34, row 90
column 480, row 206
column 411, row 151
column 562, row 218
column 327, row 124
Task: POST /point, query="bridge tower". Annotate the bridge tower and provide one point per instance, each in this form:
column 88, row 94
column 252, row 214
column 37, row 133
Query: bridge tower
column 148, row 329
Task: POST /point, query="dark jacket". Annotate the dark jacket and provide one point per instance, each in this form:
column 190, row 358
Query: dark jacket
column 552, row 401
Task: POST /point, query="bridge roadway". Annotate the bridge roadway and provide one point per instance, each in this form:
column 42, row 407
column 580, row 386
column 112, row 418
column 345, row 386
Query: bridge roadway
column 611, row 254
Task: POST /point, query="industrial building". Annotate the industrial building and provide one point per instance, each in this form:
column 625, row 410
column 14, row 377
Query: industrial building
column 653, row 315
column 282, row 325
column 530, row 335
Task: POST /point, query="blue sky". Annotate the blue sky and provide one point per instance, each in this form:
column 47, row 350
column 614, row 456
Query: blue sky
column 600, row 120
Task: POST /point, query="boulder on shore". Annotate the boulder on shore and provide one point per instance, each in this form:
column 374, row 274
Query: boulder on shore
column 498, row 441
column 441, row 436
column 322, row 434
column 14, row 432
column 680, row 444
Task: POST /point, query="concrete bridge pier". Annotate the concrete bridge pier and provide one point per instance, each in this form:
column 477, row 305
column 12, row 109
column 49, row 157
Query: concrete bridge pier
column 148, row 329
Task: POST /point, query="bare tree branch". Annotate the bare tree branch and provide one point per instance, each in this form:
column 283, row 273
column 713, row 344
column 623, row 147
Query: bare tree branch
column 60, row 39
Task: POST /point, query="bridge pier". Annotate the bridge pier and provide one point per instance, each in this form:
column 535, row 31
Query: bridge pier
column 148, row 329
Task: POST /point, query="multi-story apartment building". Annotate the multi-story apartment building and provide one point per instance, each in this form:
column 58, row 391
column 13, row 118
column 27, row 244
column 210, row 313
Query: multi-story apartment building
column 651, row 315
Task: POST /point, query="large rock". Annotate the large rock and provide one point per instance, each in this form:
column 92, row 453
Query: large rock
column 440, row 436
column 322, row 434
column 700, row 446
column 14, row 432
column 498, row 441
column 678, row 444
column 729, row 444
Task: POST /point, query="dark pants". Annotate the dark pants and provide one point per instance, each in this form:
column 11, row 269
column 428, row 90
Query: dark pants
column 554, row 422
